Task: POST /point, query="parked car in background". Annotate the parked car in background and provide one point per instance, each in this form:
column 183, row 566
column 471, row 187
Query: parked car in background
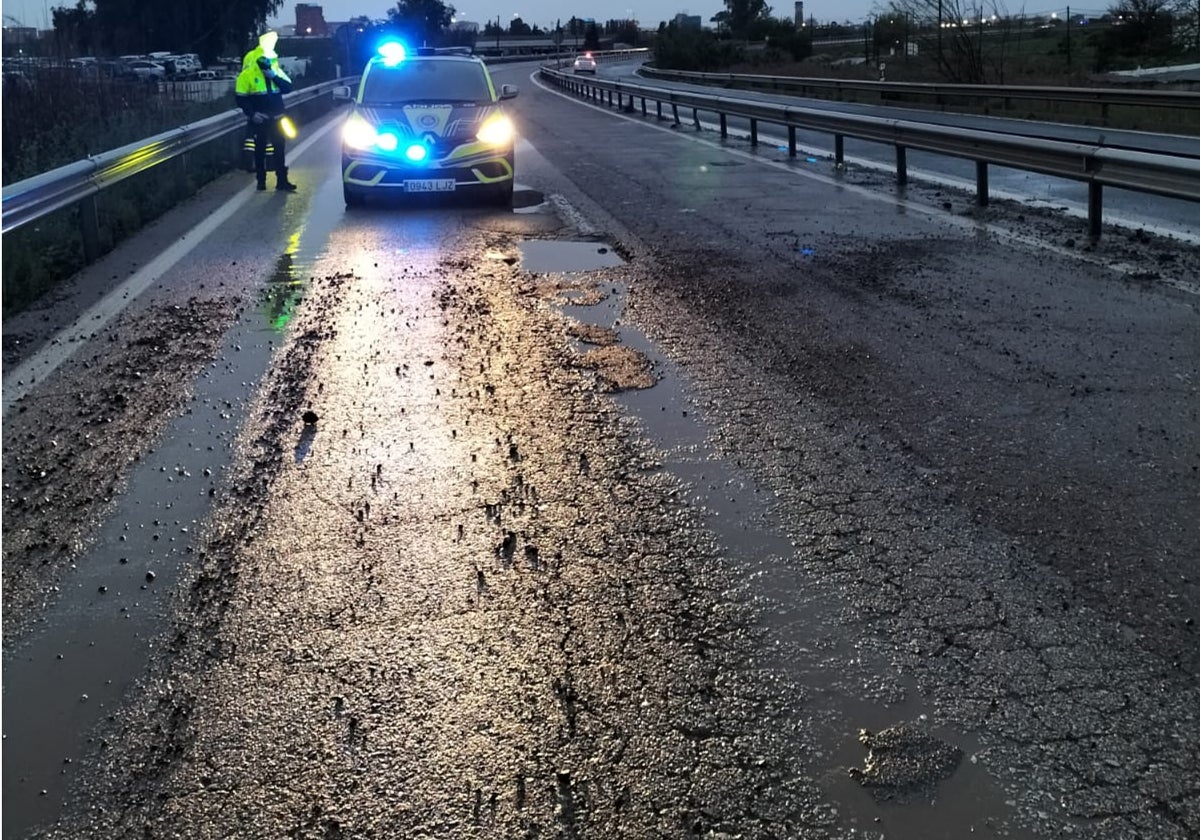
column 144, row 70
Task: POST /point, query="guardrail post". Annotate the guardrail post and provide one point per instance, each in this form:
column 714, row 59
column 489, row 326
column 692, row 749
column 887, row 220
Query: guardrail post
column 901, row 165
column 1095, row 208
column 181, row 173
column 675, row 112
column 791, row 141
column 753, row 132
column 839, row 149
column 658, row 107
column 89, row 224
column 1104, row 114
column 724, row 127
column 981, row 183
column 696, row 119
column 620, row 101
column 643, row 106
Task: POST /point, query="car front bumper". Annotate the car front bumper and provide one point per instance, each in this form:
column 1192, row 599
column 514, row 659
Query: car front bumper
column 469, row 168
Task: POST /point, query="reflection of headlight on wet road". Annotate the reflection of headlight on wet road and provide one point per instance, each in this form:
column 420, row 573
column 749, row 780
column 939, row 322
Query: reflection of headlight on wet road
column 287, row 127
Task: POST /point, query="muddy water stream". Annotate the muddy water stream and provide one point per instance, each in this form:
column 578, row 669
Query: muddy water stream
column 843, row 692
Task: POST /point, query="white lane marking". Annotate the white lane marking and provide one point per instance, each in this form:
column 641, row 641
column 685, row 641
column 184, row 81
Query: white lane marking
column 20, row 382
column 966, row 225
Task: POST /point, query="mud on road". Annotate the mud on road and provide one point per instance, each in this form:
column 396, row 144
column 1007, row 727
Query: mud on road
column 474, row 607
column 470, row 599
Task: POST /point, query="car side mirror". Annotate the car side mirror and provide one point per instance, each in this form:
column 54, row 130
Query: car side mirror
column 508, row 91
column 341, row 94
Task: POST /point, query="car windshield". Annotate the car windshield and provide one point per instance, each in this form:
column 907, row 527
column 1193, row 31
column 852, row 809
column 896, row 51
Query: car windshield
column 426, row 81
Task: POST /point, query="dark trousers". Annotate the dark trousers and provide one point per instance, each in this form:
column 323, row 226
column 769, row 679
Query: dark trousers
column 268, row 133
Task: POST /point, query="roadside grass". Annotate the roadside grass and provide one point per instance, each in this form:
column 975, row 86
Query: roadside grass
column 56, row 120
column 1037, row 59
column 42, row 254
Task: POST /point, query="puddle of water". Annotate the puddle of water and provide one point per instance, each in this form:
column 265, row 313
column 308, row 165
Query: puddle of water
column 547, row 256
column 96, row 639
column 282, row 294
column 815, row 652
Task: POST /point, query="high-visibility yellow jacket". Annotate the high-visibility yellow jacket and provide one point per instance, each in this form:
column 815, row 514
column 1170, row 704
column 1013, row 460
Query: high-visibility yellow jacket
column 256, row 92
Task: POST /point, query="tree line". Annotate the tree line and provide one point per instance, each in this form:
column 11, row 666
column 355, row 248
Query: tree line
column 208, row 28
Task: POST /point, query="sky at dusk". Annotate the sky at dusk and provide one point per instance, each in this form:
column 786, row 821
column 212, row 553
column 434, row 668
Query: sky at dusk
column 541, row 12
column 544, row 12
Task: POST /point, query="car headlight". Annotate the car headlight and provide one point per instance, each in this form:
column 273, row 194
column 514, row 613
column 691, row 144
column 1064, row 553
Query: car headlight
column 498, row 131
column 358, row 133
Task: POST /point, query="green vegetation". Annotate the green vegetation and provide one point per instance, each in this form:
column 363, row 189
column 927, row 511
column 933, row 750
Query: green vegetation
column 57, row 118
column 679, row 48
column 116, row 27
column 42, row 254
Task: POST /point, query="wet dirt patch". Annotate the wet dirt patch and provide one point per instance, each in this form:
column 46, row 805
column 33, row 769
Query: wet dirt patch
column 620, row 368
column 66, row 453
column 572, row 291
column 904, row 762
column 593, row 334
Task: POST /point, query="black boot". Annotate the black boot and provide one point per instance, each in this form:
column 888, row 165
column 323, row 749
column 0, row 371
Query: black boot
column 262, row 180
column 282, row 182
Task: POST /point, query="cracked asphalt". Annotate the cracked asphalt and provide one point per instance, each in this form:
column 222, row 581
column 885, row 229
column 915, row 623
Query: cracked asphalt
column 635, row 551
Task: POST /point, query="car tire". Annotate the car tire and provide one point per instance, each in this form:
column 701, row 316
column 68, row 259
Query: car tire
column 353, row 198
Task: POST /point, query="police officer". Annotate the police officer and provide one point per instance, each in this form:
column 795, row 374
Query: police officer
column 260, row 89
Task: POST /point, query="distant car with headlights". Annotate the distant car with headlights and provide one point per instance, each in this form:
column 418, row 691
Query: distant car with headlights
column 427, row 121
column 585, row 64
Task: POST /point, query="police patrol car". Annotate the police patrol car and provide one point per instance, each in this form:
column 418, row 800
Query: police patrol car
column 427, row 121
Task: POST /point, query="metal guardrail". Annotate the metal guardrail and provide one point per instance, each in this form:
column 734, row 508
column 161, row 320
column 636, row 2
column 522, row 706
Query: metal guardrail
column 1098, row 166
column 80, row 182
column 796, row 85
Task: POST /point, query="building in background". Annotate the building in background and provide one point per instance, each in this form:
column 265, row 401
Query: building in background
column 686, row 21
column 799, row 14
column 310, row 21
column 19, row 36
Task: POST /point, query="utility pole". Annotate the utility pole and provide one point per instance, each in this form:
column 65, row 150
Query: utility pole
column 1068, row 39
column 497, row 34
column 940, row 33
column 979, row 12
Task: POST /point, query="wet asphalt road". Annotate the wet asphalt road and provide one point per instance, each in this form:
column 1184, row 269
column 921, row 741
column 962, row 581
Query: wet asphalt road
column 625, row 540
